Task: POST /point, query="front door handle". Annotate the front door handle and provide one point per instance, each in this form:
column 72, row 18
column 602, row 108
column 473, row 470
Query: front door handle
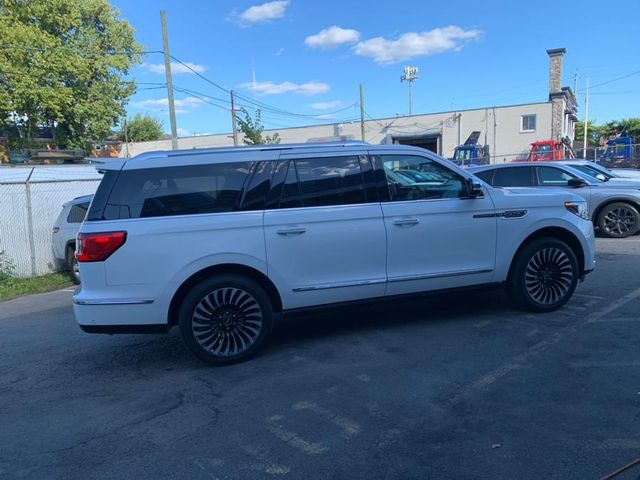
column 407, row 222
column 291, row 231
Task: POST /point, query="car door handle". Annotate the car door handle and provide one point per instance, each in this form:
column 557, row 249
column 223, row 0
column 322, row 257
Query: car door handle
column 291, row 231
column 407, row 222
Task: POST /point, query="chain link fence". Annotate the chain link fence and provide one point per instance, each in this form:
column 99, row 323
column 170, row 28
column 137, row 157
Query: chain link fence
column 31, row 198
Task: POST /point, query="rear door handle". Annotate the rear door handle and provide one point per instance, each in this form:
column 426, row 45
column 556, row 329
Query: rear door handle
column 407, row 222
column 291, row 231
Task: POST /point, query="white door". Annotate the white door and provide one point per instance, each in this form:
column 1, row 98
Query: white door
column 324, row 232
column 438, row 237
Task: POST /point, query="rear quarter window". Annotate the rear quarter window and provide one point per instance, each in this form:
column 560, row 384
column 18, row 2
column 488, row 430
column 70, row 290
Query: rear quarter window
column 77, row 212
column 180, row 190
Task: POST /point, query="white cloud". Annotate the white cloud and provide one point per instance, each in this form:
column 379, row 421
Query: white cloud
column 183, row 105
column 176, row 68
column 415, row 44
column 279, row 52
column 270, row 88
column 264, row 12
column 332, row 37
column 326, row 116
column 326, row 105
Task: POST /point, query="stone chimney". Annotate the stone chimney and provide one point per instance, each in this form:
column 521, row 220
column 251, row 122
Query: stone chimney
column 556, row 55
column 556, row 94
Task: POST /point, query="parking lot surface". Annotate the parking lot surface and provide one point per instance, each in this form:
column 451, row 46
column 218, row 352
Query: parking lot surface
column 446, row 387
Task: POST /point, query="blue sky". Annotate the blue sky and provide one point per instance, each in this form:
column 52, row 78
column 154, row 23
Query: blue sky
column 469, row 55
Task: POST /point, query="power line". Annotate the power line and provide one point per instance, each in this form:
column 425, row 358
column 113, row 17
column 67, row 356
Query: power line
column 261, row 105
column 613, row 80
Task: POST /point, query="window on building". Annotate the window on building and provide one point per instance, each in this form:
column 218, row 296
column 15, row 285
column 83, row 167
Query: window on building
column 528, row 123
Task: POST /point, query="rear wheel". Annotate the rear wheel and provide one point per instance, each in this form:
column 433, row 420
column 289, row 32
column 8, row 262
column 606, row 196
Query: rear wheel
column 72, row 264
column 619, row 220
column 544, row 275
column 225, row 319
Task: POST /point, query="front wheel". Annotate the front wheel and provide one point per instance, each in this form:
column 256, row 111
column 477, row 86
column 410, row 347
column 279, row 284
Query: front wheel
column 618, row 220
column 225, row 319
column 543, row 275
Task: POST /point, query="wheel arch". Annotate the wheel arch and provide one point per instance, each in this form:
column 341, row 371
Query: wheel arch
column 71, row 243
column 596, row 211
column 560, row 233
column 222, row 269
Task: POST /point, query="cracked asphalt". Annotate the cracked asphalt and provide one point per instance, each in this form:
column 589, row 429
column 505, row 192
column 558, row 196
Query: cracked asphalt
column 447, row 387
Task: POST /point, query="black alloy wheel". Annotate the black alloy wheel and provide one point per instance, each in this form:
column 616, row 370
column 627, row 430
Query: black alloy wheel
column 543, row 276
column 225, row 319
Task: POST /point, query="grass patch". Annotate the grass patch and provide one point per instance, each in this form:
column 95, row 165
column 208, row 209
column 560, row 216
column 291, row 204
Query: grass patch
column 15, row 287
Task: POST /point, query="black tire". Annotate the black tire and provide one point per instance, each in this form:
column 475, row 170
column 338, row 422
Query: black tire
column 72, row 265
column 543, row 276
column 225, row 319
column 618, row 220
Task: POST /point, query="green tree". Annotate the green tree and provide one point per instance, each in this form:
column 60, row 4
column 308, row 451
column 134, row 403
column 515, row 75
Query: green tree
column 593, row 132
column 252, row 129
column 62, row 64
column 142, row 128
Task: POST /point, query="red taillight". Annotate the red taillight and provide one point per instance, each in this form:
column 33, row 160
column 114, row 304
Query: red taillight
column 97, row 247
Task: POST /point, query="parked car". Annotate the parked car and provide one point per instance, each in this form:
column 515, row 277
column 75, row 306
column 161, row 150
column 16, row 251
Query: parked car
column 603, row 174
column 219, row 241
column 65, row 231
column 614, row 206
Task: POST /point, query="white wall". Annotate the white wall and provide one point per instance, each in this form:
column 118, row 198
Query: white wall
column 502, row 131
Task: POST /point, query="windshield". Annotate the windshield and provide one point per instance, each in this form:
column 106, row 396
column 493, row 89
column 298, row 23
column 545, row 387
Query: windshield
column 594, row 173
column 462, row 155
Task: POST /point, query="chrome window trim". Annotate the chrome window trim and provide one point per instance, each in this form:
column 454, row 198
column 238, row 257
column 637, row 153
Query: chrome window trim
column 427, row 276
column 325, row 286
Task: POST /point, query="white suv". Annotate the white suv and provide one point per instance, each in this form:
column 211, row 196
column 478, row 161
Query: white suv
column 219, row 241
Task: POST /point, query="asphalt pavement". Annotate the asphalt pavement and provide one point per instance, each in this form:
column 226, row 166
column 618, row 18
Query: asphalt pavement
column 447, row 387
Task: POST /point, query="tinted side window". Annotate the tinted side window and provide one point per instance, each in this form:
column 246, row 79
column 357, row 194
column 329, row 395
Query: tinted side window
column 513, row 177
column 553, row 177
column 486, row 175
column 330, row 181
column 291, row 190
column 77, row 212
column 419, row 178
column 182, row 190
column 256, row 191
column 98, row 205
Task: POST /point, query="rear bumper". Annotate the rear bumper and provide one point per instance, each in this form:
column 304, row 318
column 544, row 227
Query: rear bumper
column 122, row 309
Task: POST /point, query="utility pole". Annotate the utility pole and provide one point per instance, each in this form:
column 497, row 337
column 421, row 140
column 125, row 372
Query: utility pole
column 126, row 138
column 362, row 112
column 233, row 119
column 586, row 122
column 410, row 75
column 167, row 69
